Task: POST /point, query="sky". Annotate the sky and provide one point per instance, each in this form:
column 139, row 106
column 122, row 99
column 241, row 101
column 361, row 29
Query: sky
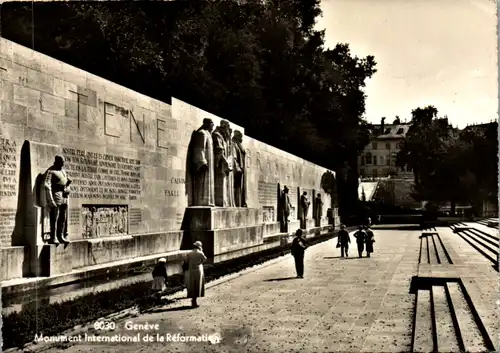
column 428, row 52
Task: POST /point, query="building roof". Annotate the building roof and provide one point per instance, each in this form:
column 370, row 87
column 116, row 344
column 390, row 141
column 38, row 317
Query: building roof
column 479, row 127
column 391, row 131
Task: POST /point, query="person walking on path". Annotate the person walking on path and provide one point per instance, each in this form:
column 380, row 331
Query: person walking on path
column 298, row 249
column 343, row 241
column 196, row 276
column 370, row 239
column 160, row 277
column 360, row 236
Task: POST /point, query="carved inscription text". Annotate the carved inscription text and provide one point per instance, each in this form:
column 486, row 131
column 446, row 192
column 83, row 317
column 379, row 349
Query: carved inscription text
column 267, row 194
column 103, row 176
column 8, row 161
column 135, row 216
column 7, row 223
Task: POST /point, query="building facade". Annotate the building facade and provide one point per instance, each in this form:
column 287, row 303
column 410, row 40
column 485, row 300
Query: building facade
column 378, row 160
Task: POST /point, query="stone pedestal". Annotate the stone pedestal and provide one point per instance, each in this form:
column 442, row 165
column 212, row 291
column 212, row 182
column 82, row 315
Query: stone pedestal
column 50, row 260
column 218, row 218
column 293, row 225
column 35, row 159
column 13, row 259
column 226, row 233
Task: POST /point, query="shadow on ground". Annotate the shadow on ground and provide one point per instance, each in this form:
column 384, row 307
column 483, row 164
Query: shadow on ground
column 178, row 308
column 279, row 279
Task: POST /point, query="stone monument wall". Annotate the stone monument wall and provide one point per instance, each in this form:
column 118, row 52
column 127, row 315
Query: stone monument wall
column 269, row 167
column 126, row 154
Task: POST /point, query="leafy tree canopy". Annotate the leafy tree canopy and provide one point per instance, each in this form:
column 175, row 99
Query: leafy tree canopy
column 450, row 165
column 258, row 63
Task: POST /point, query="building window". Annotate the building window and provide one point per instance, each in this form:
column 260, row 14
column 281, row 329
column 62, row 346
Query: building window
column 368, row 158
column 374, row 160
column 387, row 146
column 388, row 160
column 374, row 145
column 381, row 160
column 394, row 157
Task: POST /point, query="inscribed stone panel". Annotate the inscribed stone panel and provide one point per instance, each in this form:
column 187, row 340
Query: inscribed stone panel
column 8, row 188
column 267, row 194
column 103, row 176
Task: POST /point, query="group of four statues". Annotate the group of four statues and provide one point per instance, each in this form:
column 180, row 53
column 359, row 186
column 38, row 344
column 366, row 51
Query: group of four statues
column 216, row 167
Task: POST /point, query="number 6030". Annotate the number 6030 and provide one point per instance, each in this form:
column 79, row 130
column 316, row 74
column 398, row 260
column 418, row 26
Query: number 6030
column 104, row 325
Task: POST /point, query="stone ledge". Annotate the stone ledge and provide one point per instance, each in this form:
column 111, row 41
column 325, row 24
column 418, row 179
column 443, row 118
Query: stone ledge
column 28, row 284
column 104, row 239
column 218, row 218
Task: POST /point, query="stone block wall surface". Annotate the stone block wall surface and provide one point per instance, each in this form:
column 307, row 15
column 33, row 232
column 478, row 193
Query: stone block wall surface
column 126, row 155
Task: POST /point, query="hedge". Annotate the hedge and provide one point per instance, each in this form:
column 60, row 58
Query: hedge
column 19, row 328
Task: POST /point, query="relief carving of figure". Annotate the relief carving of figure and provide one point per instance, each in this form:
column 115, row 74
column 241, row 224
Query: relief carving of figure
column 115, row 216
column 57, row 188
column 223, row 165
column 94, row 228
column 285, row 209
column 87, row 223
column 304, row 204
column 200, row 167
column 125, row 220
column 239, row 170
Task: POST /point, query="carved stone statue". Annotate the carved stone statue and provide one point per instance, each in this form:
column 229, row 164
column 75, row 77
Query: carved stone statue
column 285, row 209
column 318, row 212
column 57, row 188
column 239, row 170
column 223, row 165
column 200, row 167
column 230, row 176
column 304, row 204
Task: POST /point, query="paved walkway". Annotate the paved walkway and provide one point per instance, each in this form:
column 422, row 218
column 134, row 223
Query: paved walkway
column 341, row 305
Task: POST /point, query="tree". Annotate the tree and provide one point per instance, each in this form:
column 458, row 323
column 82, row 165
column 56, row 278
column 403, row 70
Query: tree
column 450, row 165
column 329, row 185
column 480, row 160
column 260, row 64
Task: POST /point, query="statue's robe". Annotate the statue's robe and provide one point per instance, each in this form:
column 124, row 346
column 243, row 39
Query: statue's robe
column 224, row 196
column 239, row 153
column 284, row 211
column 318, row 211
column 200, row 184
column 304, row 203
column 230, row 175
